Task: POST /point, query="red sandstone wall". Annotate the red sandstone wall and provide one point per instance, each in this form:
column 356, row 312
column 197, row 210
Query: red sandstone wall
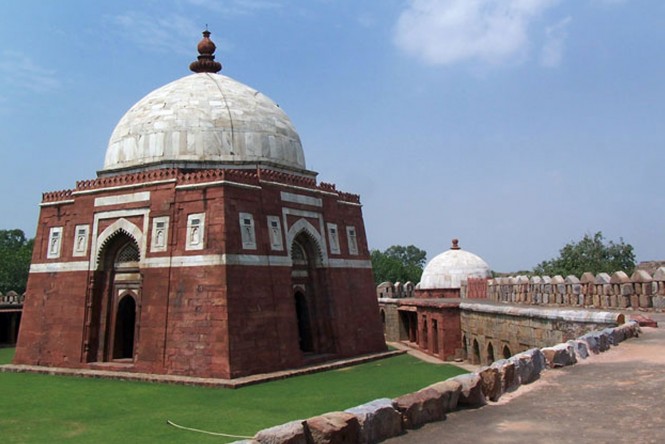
column 437, row 293
column 219, row 321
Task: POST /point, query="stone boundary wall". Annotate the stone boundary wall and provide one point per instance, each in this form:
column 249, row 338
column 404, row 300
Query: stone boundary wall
column 498, row 330
column 397, row 290
column 384, row 418
column 641, row 290
column 12, row 298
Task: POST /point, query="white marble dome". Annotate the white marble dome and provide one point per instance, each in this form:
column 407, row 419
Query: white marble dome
column 450, row 268
column 204, row 120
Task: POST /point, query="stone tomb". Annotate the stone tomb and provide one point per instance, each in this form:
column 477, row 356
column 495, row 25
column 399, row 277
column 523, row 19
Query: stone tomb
column 203, row 248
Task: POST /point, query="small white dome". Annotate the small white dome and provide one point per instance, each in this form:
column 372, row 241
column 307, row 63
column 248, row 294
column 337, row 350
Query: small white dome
column 204, row 120
column 450, row 268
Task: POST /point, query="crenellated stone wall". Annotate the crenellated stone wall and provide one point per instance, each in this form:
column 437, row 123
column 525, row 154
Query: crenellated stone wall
column 11, row 308
column 494, row 331
column 12, row 298
column 641, row 290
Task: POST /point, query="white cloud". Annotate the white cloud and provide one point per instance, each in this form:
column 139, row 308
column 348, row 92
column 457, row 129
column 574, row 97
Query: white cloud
column 21, row 72
column 553, row 49
column 443, row 32
column 169, row 33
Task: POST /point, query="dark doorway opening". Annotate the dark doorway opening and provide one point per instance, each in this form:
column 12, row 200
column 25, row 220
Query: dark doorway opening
column 506, row 352
column 304, row 324
column 125, row 325
column 490, row 353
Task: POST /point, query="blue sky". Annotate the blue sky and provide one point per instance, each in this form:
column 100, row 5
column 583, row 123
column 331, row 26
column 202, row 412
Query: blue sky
column 513, row 125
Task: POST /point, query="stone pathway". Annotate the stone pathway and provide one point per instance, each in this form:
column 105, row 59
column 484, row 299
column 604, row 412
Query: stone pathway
column 617, row 396
column 431, row 359
column 191, row 380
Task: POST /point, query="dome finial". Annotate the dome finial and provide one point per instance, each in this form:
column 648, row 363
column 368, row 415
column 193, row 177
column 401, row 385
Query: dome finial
column 206, row 59
column 455, row 245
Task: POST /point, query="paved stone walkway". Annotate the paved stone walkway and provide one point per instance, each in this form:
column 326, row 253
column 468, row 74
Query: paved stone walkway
column 192, row 380
column 617, row 396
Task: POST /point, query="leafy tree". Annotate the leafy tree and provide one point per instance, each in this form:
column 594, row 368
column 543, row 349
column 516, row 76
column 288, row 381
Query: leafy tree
column 398, row 263
column 591, row 254
column 15, row 255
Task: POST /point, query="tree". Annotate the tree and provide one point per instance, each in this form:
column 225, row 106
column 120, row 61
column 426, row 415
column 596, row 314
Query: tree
column 398, row 263
column 591, row 254
column 15, row 255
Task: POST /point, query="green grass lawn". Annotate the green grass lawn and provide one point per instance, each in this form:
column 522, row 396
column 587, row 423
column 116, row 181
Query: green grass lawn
column 42, row 408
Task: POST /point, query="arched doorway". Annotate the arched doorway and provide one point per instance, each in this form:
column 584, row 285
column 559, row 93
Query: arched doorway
column 312, row 302
column 114, row 300
column 476, row 352
column 304, row 325
column 435, row 337
column 490, row 353
column 424, row 337
column 506, row 352
column 125, row 323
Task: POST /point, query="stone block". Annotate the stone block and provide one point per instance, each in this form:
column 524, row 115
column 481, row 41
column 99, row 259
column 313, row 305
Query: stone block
column 645, row 301
column 630, row 329
column 603, row 340
column 615, row 335
column 561, row 355
column 623, row 301
column 491, row 383
column 419, row 408
column 529, row 365
column 658, row 301
column 634, row 301
column 290, row 433
column 580, row 347
column 506, row 369
column 378, row 420
column 450, row 392
column 333, row 428
column 593, row 345
column 472, row 392
column 643, row 321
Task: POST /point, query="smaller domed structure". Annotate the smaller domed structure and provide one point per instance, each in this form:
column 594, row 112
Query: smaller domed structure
column 450, row 268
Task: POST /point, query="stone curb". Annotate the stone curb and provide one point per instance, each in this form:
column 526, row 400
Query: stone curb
column 383, row 418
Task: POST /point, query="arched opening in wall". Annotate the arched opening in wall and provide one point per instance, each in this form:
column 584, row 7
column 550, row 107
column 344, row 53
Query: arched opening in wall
column 424, row 342
column 312, row 302
column 408, row 326
column 112, row 318
column 435, row 337
column 506, row 352
column 125, row 323
column 490, row 353
column 476, row 352
column 383, row 320
column 465, row 348
column 304, row 326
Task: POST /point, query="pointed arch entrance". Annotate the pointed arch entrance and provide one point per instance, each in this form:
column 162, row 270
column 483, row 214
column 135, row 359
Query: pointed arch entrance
column 311, row 300
column 125, row 325
column 114, row 303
